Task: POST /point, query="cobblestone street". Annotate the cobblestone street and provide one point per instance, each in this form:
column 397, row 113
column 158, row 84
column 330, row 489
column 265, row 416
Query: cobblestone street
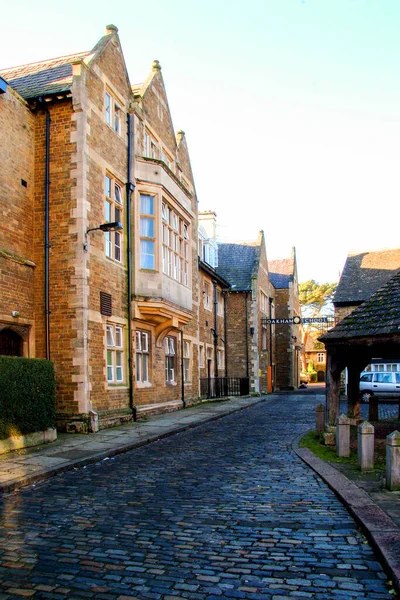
column 226, row 510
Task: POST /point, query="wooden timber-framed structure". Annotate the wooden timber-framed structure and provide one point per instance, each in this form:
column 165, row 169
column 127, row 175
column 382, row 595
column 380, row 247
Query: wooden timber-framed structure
column 371, row 330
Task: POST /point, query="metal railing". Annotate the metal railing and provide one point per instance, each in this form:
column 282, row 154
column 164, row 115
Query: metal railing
column 220, row 387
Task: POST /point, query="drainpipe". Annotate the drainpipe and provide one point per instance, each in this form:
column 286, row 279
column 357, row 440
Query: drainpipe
column 247, row 336
column 215, row 330
column 46, row 230
column 182, row 373
column 129, row 191
column 226, row 333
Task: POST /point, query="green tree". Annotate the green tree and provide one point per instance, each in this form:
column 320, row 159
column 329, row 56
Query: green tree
column 316, row 298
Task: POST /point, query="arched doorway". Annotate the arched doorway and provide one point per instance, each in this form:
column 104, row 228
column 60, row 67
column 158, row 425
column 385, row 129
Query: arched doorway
column 321, row 376
column 11, row 343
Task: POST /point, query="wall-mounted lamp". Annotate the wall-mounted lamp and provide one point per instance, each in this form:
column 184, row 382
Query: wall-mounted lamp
column 252, row 330
column 15, row 313
column 113, row 226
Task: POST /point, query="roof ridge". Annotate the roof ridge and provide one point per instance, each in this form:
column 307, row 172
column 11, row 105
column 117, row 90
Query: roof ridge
column 48, row 60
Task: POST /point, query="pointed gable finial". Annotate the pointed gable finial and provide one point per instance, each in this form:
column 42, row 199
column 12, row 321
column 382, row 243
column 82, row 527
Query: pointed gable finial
column 156, row 65
column 110, row 29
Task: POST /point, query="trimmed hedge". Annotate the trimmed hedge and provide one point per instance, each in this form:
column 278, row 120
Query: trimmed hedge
column 27, row 395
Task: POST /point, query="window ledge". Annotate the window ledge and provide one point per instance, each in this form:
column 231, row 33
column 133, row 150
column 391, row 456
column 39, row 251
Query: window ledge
column 143, row 384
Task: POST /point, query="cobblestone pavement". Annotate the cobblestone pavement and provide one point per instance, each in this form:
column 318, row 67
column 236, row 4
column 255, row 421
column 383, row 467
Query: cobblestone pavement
column 226, row 510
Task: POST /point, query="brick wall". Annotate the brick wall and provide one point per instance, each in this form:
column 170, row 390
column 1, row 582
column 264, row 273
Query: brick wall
column 17, row 270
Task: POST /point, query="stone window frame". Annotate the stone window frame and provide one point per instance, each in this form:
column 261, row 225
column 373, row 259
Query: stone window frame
column 115, row 354
column 113, row 211
column 207, row 295
column 113, row 112
column 144, row 237
column 151, row 146
column 175, row 241
column 170, row 359
column 187, row 361
column 201, row 356
column 143, row 357
column 220, row 303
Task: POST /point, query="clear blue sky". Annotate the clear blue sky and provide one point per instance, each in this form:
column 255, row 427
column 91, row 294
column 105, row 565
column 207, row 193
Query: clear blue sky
column 291, row 108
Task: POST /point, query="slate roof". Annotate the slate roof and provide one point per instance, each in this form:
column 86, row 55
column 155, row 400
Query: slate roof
column 41, row 78
column 378, row 316
column 281, row 272
column 364, row 273
column 236, row 262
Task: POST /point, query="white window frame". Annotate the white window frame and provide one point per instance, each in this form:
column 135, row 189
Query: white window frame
column 113, row 113
column 175, row 250
column 113, row 211
column 142, row 357
column 187, row 355
column 147, row 242
column 170, row 359
column 320, row 358
column 115, row 357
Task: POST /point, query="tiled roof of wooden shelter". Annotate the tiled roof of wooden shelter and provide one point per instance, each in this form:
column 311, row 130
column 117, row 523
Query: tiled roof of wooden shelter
column 236, row 264
column 364, row 273
column 46, row 77
column 281, row 272
column 378, row 316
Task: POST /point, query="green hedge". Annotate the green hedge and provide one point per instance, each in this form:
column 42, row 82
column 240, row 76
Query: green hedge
column 27, row 395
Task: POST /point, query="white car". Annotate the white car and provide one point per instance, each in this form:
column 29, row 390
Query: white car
column 382, row 384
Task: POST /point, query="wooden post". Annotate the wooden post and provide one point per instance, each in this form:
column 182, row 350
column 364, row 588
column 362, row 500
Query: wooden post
column 353, row 390
column 320, row 418
column 393, row 461
column 332, row 386
column 365, row 450
column 343, row 436
column 373, row 409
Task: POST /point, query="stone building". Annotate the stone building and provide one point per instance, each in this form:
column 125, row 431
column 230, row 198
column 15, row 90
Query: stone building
column 283, row 276
column 248, row 340
column 98, row 257
column 212, row 306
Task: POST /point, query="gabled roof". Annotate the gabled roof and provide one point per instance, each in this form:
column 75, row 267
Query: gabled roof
column 46, row 77
column 378, row 316
column 237, row 262
column 364, row 273
column 53, row 76
column 281, row 272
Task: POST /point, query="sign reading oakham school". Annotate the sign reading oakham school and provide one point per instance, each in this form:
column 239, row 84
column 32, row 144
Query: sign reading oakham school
column 296, row 321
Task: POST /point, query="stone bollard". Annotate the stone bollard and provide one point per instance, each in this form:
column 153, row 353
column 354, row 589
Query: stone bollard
column 320, row 418
column 343, row 436
column 365, row 439
column 393, row 461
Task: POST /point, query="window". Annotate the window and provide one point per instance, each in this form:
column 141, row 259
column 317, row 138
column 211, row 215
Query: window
column 147, row 232
column 220, row 359
column 107, row 108
column 142, row 357
column 115, row 354
column 186, row 361
column 150, row 147
column 175, row 250
column 112, row 112
column 201, row 357
column 113, row 212
column 264, row 338
column 220, row 303
column 117, row 119
column 320, row 357
column 207, row 296
column 166, row 158
column 264, row 303
column 169, row 347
